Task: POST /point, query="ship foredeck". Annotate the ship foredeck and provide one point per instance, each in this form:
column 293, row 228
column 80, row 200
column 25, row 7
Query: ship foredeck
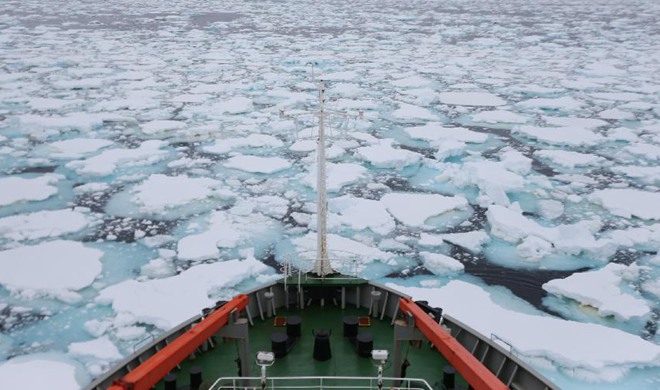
column 424, row 362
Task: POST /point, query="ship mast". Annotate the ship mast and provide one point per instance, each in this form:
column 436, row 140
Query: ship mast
column 322, row 265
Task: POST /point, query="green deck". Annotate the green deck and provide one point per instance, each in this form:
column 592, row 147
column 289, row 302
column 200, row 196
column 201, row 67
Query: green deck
column 425, row 362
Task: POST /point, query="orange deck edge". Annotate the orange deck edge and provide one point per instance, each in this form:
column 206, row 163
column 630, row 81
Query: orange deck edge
column 147, row 374
column 475, row 373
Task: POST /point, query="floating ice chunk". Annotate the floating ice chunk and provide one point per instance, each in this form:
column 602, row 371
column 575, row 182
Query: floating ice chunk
column 87, row 83
column 569, row 159
column 43, row 371
column 360, row 214
column 576, row 347
column 186, row 162
column 603, row 289
column 225, row 230
column 160, row 193
column 346, row 89
column 90, row 187
column 516, row 162
column 128, row 333
column 149, row 152
column 78, row 121
column 647, row 235
column 617, row 96
column 101, row 348
column 160, row 126
column 97, row 328
column 616, row 114
column 306, row 145
column 383, row 155
column 628, row 202
column 339, row 175
column 73, row 148
column 440, row 264
column 437, row 133
column 565, row 103
column 158, row 268
column 484, row 99
column 550, row 209
column 43, row 224
column 448, row 149
column 46, row 269
column 270, row 205
column 571, row 136
column 409, row 111
column 493, row 179
column 648, row 175
column 510, row 225
column 161, row 302
column 45, row 104
column 235, row 105
column 416, row 209
column 472, row 241
column 499, row 116
column 564, row 121
column 340, row 76
column 224, row 146
column 411, row 82
column 257, row 164
column 649, row 151
column 18, row 189
column 533, row 248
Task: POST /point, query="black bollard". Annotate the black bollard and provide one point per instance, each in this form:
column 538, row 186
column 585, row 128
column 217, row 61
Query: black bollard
column 448, row 374
column 170, row 382
column 195, row 377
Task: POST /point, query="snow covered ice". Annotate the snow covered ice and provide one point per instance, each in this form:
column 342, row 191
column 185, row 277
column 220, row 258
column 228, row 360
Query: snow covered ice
column 141, row 143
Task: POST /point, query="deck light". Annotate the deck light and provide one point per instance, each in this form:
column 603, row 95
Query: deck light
column 264, row 359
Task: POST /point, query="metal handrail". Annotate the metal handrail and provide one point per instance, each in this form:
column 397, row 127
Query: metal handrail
column 319, row 382
column 349, row 266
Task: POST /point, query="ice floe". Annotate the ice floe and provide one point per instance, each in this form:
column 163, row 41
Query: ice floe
column 440, row 264
column 108, row 161
column 511, row 225
column 471, row 99
column 339, row 175
column 605, row 289
column 229, row 230
column 383, row 155
column 569, row 159
column 416, row 209
column 24, row 189
column 44, row 224
column 73, row 148
column 628, row 202
column 257, row 164
column 472, row 241
column 42, row 371
column 360, row 214
column 569, row 136
column 253, row 141
column 499, row 116
column 161, row 302
column 577, row 349
column 54, row 261
column 168, row 197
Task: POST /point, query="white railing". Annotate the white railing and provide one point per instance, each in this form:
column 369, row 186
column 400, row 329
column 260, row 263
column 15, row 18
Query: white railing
column 319, row 382
column 345, row 263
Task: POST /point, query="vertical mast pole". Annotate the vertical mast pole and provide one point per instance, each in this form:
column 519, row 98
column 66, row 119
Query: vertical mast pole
column 322, row 266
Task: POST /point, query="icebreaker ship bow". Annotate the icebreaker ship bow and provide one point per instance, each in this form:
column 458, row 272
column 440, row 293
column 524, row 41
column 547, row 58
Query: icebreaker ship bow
column 322, row 326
